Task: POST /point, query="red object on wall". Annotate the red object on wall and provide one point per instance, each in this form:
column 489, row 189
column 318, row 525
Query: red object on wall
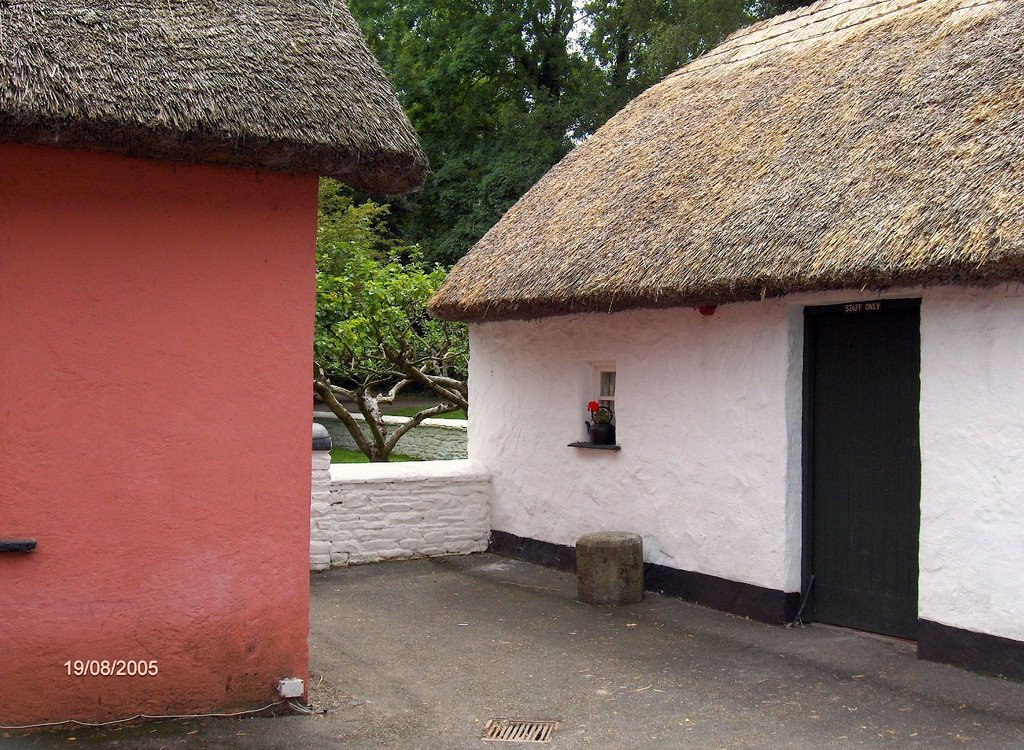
column 707, row 310
column 155, row 322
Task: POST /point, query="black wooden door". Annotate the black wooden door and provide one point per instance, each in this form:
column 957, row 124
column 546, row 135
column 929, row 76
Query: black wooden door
column 862, row 465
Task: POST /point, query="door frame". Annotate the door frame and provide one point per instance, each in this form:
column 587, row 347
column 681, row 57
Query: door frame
column 812, row 312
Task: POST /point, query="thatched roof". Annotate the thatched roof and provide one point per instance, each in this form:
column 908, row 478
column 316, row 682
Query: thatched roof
column 851, row 144
column 277, row 85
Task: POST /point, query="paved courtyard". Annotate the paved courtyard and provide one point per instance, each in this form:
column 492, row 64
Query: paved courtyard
column 421, row 654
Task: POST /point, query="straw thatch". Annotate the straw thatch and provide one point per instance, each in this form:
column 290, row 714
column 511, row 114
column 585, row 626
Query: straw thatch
column 280, row 85
column 852, row 144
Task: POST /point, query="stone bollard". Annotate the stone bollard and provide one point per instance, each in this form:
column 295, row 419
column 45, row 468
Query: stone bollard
column 610, row 568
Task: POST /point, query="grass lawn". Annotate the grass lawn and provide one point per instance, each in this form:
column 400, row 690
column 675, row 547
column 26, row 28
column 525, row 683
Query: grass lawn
column 346, row 456
column 412, row 411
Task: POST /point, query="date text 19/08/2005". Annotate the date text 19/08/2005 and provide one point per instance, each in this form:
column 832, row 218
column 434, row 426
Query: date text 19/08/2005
column 112, row 668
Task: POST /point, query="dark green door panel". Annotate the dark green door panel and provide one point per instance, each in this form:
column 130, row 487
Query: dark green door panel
column 862, row 464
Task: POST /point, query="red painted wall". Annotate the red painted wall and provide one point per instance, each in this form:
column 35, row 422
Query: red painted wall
column 155, row 351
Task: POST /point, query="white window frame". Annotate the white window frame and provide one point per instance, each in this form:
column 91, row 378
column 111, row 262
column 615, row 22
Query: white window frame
column 597, row 368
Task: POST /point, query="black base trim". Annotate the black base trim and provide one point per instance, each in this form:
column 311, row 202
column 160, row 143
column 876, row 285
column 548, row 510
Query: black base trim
column 744, row 599
column 558, row 556
column 978, row 652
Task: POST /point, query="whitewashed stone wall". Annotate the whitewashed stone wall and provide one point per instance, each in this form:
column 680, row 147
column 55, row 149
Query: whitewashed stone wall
column 319, row 507
column 433, row 440
column 362, row 513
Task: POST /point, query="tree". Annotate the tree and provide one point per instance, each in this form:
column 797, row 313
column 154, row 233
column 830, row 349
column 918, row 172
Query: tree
column 373, row 337
column 491, row 87
column 636, row 43
column 500, row 90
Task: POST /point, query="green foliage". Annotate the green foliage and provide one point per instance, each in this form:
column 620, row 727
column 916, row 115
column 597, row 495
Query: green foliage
column 372, row 292
column 346, row 456
column 492, row 89
column 636, row 43
column 500, row 90
column 409, row 411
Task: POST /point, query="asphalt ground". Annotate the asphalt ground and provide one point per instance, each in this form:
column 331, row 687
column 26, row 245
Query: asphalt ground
column 421, row 654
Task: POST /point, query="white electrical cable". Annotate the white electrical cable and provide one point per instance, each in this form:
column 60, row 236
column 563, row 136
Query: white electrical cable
column 307, row 709
column 76, row 722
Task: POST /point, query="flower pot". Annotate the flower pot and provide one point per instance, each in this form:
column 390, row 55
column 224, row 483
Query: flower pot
column 601, row 433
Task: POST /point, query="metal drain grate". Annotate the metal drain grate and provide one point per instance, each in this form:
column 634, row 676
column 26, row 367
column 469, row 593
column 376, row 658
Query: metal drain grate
column 513, row 730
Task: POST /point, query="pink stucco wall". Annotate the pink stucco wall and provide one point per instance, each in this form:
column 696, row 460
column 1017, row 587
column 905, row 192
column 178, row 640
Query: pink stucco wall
column 155, row 353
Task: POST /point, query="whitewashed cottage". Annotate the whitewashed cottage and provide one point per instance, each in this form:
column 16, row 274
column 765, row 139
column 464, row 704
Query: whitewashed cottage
column 801, row 258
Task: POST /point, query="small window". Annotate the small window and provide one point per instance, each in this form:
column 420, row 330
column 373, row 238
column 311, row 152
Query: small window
column 604, row 384
column 600, row 429
column 606, row 389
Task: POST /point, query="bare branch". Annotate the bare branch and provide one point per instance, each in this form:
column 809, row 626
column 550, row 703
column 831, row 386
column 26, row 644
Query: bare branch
column 458, row 385
column 450, row 395
column 415, row 421
column 345, row 393
column 393, row 393
column 371, row 413
column 326, row 394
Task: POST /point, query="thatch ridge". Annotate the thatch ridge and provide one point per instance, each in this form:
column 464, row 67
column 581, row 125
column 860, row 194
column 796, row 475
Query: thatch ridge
column 286, row 86
column 853, row 144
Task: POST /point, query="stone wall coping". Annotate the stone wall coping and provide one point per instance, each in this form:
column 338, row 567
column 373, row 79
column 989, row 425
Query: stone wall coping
column 459, row 470
column 449, row 424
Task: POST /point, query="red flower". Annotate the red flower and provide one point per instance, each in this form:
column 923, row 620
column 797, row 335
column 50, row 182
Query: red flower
column 593, row 406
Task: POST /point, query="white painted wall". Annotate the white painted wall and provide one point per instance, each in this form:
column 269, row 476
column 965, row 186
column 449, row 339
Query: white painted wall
column 972, row 445
column 709, row 419
column 701, row 417
column 363, row 513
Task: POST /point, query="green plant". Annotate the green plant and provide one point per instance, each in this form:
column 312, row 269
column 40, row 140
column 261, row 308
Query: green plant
column 600, row 414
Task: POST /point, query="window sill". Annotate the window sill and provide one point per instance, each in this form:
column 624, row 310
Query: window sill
column 595, row 446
